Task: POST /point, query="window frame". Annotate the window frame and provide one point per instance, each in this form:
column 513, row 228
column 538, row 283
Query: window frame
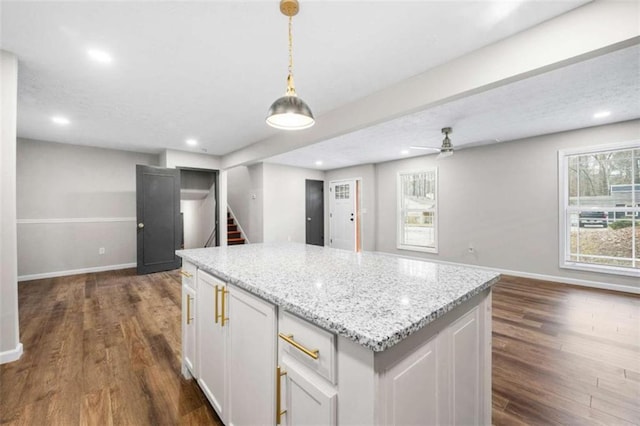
column 564, row 210
column 400, row 217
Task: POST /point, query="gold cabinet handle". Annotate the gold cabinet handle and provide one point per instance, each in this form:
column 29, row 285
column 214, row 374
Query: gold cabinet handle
column 313, row 353
column 185, row 273
column 189, row 319
column 216, row 305
column 279, row 373
column 222, row 316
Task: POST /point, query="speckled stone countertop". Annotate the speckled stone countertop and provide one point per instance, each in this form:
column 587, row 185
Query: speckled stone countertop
column 373, row 299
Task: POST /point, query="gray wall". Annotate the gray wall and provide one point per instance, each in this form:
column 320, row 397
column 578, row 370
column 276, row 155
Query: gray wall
column 269, row 200
column 284, row 202
column 367, row 174
column 501, row 198
column 10, row 346
column 245, row 197
column 73, row 200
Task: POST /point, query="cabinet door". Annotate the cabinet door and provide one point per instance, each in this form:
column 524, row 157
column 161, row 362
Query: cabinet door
column 251, row 358
column 308, row 399
column 467, row 373
column 412, row 389
column 211, row 356
column 189, row 331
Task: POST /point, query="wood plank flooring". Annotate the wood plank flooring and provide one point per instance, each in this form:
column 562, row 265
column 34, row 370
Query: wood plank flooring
column 104, row 349
column 564, row 354
column 101, row 349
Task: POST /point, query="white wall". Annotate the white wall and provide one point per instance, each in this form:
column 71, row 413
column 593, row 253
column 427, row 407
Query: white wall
column 71, row 201
column 245, row 198
column 284, row 202
column 171, row 159
column 503, row 199
column 10, row 346
column 198, row 218
column 367, row 174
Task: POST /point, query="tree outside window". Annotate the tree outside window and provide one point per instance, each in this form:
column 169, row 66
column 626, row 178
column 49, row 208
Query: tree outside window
column 417, row 197
column 600, row 192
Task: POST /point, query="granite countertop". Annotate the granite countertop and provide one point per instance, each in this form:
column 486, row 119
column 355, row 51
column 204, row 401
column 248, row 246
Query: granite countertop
column 373, row 299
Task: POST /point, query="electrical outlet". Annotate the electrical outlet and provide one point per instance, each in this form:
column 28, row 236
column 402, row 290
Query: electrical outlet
column 471, row 249
column 101, row 250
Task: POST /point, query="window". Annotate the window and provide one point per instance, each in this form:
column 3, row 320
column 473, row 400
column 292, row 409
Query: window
column 417, row 221
column 342, row 192
column 600, row 209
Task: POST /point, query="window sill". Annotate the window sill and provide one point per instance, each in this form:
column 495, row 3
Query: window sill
column 603, row 269
column 417, row 248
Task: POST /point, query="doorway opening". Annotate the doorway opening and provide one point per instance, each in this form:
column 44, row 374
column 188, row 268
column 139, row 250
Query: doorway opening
column 198, row 207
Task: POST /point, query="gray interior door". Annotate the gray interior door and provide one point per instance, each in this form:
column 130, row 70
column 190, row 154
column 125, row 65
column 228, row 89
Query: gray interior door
column 314, row 210
column 158, row 214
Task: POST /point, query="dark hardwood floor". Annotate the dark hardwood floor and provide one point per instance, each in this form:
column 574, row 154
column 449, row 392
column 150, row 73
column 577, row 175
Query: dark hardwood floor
column 101, row 349
column 105, row 349
column 564, row 354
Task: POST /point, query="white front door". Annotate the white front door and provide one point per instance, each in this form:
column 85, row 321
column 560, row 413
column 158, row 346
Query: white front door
column 342, row 214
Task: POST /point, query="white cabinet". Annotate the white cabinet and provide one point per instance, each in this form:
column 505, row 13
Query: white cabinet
column 212, row 341
column 189, row 364
column 307, row 360
column 307, row 399
column 258, row 365
column 446, row 379
column 236, row 352
column 251, row 359
column 189, row 330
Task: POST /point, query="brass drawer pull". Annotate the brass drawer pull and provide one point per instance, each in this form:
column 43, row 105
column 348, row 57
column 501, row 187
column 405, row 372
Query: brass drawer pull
column 185, row 273
column 313, row 353
column 216, row 305
column 223, row 316
column 189, row 319
column 279, row 373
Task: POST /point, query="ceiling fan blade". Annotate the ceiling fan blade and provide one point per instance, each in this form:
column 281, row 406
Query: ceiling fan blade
column 425, row 148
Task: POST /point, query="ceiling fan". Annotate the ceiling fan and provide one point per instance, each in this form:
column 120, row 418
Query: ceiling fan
column 446, row 149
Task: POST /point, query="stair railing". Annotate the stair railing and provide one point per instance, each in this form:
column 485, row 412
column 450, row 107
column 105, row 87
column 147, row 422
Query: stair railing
column 212, row 238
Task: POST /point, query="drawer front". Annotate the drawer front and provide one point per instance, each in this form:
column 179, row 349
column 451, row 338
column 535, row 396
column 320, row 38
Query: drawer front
column 308, row 344
column 188, row 273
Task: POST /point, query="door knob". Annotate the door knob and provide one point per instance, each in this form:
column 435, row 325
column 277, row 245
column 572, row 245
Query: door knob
column 141, row 225
column 309, row 219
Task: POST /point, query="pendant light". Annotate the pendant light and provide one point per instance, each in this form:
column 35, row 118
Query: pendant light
column 290, row 112
column 446, row 150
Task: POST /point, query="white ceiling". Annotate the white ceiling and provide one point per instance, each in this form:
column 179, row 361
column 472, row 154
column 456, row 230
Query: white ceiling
column 559, row 100
column 210, row 70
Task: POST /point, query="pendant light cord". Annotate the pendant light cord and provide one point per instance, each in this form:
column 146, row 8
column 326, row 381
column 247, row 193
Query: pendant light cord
column 291, row 89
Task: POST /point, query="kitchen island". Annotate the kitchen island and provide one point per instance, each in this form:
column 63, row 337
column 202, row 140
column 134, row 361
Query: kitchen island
column 299, row 334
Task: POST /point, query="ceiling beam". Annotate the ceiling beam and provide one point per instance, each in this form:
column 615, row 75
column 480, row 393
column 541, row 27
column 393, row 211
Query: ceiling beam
column 586, row 32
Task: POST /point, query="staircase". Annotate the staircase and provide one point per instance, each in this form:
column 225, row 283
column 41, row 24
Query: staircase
column 234, row 236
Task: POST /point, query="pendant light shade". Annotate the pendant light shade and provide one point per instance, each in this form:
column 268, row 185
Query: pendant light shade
column 290, row 112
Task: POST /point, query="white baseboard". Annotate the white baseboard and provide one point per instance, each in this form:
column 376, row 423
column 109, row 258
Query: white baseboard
column 75, row 272
column 564, row 280
column 12, row 355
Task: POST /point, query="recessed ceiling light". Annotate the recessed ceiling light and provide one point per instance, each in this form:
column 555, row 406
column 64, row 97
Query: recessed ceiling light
column 61, row 121
column 602, row 114
column 319, row 163
column 99, row 56
column 191, row 142
column 404, row 152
